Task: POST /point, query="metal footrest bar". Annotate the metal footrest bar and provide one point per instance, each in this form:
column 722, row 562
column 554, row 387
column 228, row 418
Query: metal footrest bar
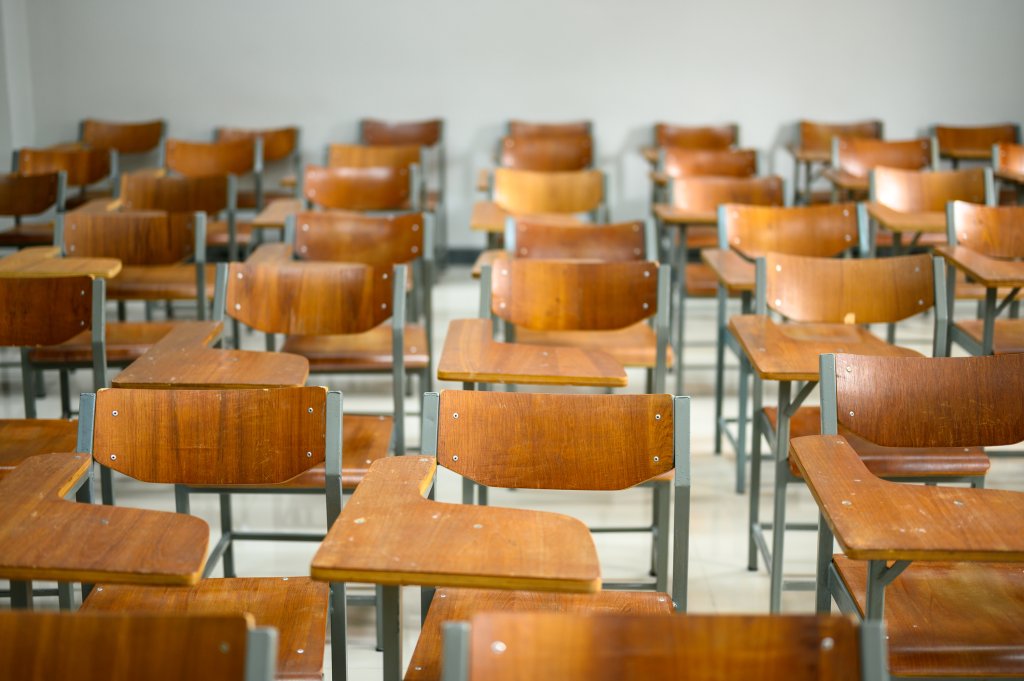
column 758, row 530
column 278, row 536
column 798, row 585
column 629, row 586
column 601, row 530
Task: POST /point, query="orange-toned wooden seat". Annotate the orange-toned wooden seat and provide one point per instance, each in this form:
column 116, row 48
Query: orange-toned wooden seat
column 280, row 146
column 910, row 550
column 526, row 192
column 376, row 188
column 973, row 143
column 29, row 195
column 577, row 647
column 205, row 440
column 126, row 138
column 1008, row 165
column 83, row 168
column 617, row 441
column 708, row 137
column 676, row 162
column 521, row 128
column 546, row 152
column 826, row 300
column 128, row 646
column 813, row 145
column 854, row 157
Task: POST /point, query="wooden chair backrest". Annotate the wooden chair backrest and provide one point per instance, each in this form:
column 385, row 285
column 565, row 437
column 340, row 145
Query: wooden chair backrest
column 696, row 136
column 707, row 193
column 1009, row 157
column 126, row 138
column 913, row 191
column 930, row 401
column 531, row 192
column 202, row 159
column 976, row 138
column 569, row 152
column 858, row 155
column 548, row 441
column 210, row 437
column 133, row 237
column 278, row 143
column 849, row 291
column 823, row 230
column 83, row 166
column 683, row 162
column 517, row 128
column 83, row 646
column 361, row 189
column 369, row 156
column 377, row 240
column 621, row 241
column 309, row 298
column 818, row 136
column 44, row 310
column 27, row 194
column 424, row 133
column 146, row 190
column 564, row 295
column 995, row 231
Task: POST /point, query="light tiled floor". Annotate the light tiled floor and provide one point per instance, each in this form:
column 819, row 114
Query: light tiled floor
column 719, row 580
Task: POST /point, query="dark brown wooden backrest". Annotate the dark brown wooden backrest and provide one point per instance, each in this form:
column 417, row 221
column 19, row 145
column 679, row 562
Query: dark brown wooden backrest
column 707, row 193
column 976, row 138
column 202, row 159
column 858, row 155
column 377, row 240
column 531, row 192
column 126, row 138
column 696, row 136
column 27, row 194
column 932, row 402
column 122, row 646
column 344, row 188
column 995, row 231
column 682, row 162
column 563, row 295
column 83, row 166
column 546, row 441
column 912, row 191
column 575, row 647
column 1010, row 157
column 309, row 298
column 849, row 291
column 133, row 237
column 517, row 128
column 569, row 152
column 818, row 136
column 146, row 190
column 368, row 156
column 44, row 310
column 424, row 133
column 823, row 230
column 607, row 243
column 211, row 437
column 278, row 143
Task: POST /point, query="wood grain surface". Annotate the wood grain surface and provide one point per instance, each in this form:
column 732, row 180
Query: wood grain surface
column 821, row 230
column 528, row 192
column 349, row 188
column 204, row 159
column 696, row 136
column 27, row 194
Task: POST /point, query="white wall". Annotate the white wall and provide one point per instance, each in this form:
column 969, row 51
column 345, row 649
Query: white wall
column 17, row 117
column 325, row 63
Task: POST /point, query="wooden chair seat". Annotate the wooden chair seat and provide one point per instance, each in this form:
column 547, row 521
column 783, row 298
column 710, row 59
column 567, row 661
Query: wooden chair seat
column 859, row 184
column 1008, row 337
column 949, row 619
column 22, row 438
column 884, row 239
column 456, row 605
column 27, row 234
column 126, row 342
column 295, row 606
column 633, row 346
column 892, row 462
column 247, row 197
column 217, row 233
column 702, row 237
column 370, row 351
column 701, row 281
column 159, row 282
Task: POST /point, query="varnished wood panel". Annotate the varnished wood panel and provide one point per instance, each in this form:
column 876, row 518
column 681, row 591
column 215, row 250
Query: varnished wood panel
column 44, row 311
column 822, row 230
column 858, row 155
column 425, row 133
column 147, row 190
column 519, row 128
column 607, row 242
column 278, row 143
column 527, row 192
column 27, row 194
column 817, row 137
column 210, row 436
column 133, row 237
column 994, row 231
column 920, row 191
column 730, row 269
column 83, row 166
column 22, row 438
column 696, row 136
column 127, row 138
column 346, row 188
column 205, row 159
column 704, row 194
column 550, row 441
column 1010, row 157
column 555, row 153
column 377, row 240
column 369, row 156
column 974, row 142
column 632, row 346
column 684, row 162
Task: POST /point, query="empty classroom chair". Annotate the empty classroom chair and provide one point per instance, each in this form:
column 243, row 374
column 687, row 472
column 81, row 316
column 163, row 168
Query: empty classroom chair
column 1008, row 165
column 83, row 168
column 676, row 162
column 709, row 137
column 973, row 143
column 520, row 128
column 813, row 146
column 571, row 152
column 280, row 146
column 854, row 157
column 24, row 196
column 128, row 139
column 375, row 188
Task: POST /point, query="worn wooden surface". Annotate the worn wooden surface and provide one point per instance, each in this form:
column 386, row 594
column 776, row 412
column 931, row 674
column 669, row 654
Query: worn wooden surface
column 210, row 436
column 573, row 646
column 849, row 291
column 134, row 237
column 45, row 261
column 816, row 138
column 789, row 352
column 547, row 153
column 156, row 190
column 367, row 351
column 426, row 133
column 388, row 533
column 27, row 194
column 126, row 342
column 182, row 359
column 44, row 311
column 377, row 240
column 204, row 159
column 993, row 231
column 83, row 166
column 696, row 136
column 278, row 143
column 43, row 536
column 730, row 269
column 821, row 230
column 632, row 346
column 695, row 200
column 461, row 605
column 1008, row 337
column 127, row 138
column 974, row 142
column 295, row 606
column 858, row 155
column 604, row 242
column 874, row 519
column 348, row 188
column 683, row 162
column 50, row 646
column 22, row 438
column 551, row 441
